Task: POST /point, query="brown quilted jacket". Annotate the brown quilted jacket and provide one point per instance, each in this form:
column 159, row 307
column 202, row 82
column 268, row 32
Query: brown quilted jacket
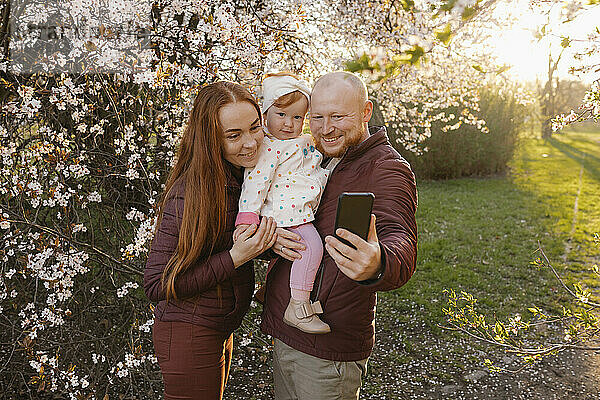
column 212, row 292
column 349, row 306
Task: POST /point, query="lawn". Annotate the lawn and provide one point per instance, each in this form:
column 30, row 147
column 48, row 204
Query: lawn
column 477, row 235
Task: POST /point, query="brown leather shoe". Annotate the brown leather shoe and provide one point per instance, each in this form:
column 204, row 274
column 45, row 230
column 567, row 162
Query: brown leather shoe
column 303, row 315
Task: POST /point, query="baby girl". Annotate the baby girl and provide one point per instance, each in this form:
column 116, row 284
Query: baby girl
column 286, row 184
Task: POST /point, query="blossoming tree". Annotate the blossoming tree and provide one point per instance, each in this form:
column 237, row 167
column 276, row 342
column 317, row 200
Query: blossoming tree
column 95, row 94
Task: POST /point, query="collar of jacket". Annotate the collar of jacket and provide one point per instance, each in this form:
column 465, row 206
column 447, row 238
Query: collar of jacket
column 378, row 137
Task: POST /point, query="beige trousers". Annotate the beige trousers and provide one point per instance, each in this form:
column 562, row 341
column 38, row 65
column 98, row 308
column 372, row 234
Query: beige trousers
column 299, row 376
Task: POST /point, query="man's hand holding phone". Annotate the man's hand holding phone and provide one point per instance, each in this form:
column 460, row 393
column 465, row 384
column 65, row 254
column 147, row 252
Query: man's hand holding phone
column 288, row 244
column 354, row 246
column 358, row 264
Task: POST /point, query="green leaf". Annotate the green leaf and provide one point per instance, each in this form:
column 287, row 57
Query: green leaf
column 565, row 42
column 362, row 63
column 499, row 329
column 445, row 34
column 478, row 68
column 411, row 56
column 448, row 6
column 468, row 13
column 502, row 69
column 407, row 5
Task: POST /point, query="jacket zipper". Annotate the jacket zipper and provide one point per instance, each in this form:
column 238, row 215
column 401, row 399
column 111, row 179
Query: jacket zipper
column 321, row 270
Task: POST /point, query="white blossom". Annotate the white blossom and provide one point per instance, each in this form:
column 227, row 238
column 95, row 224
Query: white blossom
column 145, row 327
column 123, row 290
column 94, row 197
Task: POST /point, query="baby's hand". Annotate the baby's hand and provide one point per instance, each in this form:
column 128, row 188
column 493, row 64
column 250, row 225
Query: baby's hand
column 238, row 230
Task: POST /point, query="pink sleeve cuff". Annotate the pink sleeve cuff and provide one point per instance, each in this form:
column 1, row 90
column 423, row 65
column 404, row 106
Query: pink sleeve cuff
column 247, row 218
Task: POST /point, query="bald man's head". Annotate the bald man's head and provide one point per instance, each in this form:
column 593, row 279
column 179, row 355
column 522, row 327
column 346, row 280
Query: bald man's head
column 339, row 113
column 356, row 84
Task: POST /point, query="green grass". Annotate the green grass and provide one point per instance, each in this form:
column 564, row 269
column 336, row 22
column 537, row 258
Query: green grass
column 479, row 235
column 555, row 171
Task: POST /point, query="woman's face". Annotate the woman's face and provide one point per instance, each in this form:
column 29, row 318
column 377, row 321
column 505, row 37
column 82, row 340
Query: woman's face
column 242, row 133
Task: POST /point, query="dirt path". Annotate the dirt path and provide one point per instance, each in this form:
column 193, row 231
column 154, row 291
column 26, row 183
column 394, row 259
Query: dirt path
column 571, row 375
column 568, row 375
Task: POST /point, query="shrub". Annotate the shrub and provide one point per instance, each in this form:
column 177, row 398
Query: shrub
column 467, row 151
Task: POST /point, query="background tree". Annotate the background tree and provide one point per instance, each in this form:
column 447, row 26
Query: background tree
column 86, row 139
column 556, row 13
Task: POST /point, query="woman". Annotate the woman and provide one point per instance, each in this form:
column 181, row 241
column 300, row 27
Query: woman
column 202, row 280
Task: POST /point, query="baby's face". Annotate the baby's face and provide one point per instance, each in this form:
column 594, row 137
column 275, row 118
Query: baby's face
column 287, row 122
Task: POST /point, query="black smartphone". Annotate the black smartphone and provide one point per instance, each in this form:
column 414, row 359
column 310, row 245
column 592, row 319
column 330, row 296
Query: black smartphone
column 354, row 214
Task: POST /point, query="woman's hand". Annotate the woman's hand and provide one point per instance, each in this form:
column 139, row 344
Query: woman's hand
column 253, row 241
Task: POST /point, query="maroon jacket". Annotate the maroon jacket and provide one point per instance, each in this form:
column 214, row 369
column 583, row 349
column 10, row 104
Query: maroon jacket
column 199, row 299
column 349, row 306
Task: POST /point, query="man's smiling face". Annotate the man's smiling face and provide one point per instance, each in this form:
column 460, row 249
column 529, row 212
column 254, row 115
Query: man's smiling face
column 336, row 118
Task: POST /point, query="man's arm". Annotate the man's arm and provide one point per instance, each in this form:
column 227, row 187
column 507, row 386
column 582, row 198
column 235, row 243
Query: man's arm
column 387, row 259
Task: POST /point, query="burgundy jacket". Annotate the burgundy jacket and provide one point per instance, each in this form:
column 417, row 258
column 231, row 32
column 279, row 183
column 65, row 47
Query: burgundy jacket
column 349, row 306
column 211, row 293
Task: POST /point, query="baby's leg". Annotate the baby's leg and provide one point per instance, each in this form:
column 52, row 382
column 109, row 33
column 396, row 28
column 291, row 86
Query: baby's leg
column 300, row 312
column 305, row 269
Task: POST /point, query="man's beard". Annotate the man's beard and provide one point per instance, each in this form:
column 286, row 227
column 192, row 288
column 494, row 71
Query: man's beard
column 350, row 139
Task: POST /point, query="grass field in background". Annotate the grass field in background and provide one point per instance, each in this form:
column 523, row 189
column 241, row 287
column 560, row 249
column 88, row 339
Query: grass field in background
column 479, row 235
column 558, row 172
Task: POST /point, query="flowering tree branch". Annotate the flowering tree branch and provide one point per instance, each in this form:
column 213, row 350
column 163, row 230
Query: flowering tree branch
column 581, row 325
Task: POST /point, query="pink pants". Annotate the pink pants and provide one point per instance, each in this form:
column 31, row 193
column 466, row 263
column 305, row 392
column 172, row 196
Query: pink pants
column 305, row 269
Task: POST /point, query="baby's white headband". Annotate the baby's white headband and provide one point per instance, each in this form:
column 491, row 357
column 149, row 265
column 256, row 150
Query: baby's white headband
column 276, row 86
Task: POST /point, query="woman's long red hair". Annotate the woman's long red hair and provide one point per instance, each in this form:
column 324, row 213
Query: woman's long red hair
column 201, row 167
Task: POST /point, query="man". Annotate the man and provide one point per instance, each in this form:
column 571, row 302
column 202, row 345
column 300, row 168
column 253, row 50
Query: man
column 330, row 366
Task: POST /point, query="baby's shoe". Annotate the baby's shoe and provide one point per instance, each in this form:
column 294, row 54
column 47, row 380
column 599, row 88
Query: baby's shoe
column 303, row 315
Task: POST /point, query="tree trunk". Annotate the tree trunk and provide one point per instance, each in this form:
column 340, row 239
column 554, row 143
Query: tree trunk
column 547, row 128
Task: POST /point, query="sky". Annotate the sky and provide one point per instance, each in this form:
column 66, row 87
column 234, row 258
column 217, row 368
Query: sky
column 517, row 46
